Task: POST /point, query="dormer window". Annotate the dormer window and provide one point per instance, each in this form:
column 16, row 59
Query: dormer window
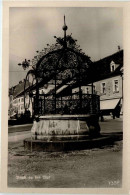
column 112, row 66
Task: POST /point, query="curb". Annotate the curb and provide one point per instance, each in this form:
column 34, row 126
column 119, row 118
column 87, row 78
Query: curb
column 57, row 146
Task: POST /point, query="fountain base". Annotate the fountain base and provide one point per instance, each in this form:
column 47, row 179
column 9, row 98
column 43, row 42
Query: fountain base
column 63, row 132
column 58, row 146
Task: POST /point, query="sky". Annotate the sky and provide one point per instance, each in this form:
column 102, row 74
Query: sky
column 99, row 31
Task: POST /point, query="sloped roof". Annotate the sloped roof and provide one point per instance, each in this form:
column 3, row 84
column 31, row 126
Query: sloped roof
column 18, row 89
column 101, row 68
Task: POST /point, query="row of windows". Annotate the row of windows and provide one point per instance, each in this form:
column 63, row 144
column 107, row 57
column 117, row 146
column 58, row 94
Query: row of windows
column 18, row 100
column 20, row 107
column 102, row 88
column 94, row 90
column 115, row 86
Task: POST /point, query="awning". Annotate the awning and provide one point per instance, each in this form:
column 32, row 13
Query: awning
column 109, row 104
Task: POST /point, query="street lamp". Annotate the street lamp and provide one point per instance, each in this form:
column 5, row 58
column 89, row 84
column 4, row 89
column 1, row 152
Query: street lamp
column 25, row 64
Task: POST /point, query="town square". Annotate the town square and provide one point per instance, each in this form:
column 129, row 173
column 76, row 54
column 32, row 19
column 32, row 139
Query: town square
column 65, row 111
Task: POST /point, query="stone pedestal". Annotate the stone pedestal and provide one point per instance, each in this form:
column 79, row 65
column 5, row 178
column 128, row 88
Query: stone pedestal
column 65, row 127
column 64, row 133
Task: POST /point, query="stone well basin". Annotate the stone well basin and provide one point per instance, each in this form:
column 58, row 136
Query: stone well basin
column 65, row 127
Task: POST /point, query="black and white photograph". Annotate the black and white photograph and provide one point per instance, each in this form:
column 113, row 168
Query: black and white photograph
column 65, row 97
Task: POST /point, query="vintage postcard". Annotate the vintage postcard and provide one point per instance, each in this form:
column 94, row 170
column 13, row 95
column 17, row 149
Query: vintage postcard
column 65, row 97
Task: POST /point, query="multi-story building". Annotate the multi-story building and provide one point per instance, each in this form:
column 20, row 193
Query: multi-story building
column 16, row 100
column 108, row 84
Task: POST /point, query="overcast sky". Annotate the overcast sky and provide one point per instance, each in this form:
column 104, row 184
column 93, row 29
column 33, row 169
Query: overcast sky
column 98, row 30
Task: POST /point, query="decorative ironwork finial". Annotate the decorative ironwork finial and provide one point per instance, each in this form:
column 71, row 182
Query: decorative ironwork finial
column 65, row 29
column 64, row 19
column 119, row 48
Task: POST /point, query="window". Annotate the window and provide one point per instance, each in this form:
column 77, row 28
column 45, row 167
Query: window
column 22, row 99
column 11, row 98
column 87, row 90
column 103, row 88
column 94, row 89
column 116, row 86
column 22, row 107
column 112, row 66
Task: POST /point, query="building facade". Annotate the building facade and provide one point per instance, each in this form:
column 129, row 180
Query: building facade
column 108, row 84
column 16, row 101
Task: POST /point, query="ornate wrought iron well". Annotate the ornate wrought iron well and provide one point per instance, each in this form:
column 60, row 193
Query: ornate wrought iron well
column 63, row 120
